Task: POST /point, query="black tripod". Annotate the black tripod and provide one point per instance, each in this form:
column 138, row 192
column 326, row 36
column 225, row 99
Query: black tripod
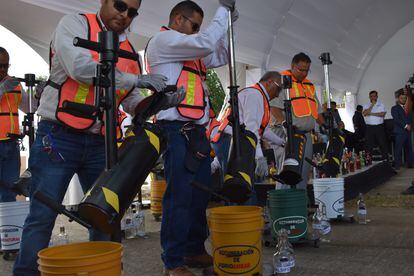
column 21, row 186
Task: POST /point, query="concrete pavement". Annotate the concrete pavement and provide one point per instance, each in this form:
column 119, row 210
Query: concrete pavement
column 385, row 246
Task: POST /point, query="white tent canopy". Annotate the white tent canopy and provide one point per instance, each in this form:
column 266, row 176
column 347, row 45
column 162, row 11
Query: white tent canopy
column 269, row 32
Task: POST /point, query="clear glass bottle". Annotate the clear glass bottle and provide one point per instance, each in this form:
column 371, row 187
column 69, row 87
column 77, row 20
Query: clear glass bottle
column 139, row 221
column 357, row 162
column 130, row 230
column 362, row 210
column 283, row 259
column 325, row 225
column 362, row 159
column 61, row 238
column 316, row 224
column 315, row 172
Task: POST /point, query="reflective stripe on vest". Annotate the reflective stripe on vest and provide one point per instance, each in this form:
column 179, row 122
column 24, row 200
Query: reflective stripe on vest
column 75, row 91
column 303, row 97
column 9, row 112
column 192, row 77
column 266, row 109
column 265, row 119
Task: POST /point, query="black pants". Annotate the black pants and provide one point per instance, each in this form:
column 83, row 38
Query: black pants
column 375, row 134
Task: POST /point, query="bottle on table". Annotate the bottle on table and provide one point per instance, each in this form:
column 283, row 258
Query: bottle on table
column 362, row 210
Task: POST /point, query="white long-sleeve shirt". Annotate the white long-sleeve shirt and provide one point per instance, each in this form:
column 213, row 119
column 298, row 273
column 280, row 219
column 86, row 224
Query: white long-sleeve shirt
column 251, row 111
column 168, row 50
column 77, row 63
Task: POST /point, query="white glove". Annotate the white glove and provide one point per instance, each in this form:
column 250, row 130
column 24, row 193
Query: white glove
column 8, row 84
column 152, row 81
column 39, row 89
column 261, row 167
column 215, row 165
column 234, row 15
column 170, row 99
column 230, row 4
column 279, row 141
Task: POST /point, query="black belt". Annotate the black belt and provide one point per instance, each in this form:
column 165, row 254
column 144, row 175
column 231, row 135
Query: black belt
column 10, row 140
column 69, row 129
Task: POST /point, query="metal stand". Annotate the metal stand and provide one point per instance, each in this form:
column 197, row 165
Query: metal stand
column 326, row 61
column 238, row 188
column 234, row 100
column 21, row 186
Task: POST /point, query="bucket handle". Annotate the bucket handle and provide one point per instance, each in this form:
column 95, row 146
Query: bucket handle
column 325, row 191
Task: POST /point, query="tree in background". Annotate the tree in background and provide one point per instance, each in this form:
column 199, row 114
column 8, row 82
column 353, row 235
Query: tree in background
column 216, row 90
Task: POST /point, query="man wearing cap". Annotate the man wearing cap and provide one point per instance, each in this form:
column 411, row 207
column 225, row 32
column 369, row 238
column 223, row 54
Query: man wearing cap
column 183, row 53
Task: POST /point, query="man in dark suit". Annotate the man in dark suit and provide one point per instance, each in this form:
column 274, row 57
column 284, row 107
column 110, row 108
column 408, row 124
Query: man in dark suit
column 359, row 127
column 402, row 130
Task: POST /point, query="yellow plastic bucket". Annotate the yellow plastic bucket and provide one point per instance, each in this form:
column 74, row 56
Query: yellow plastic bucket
column 98, row 258
column 158, row 188
column 236, row 238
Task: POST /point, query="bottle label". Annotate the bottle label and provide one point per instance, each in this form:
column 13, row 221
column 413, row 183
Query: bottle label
column 291, row 263
column 326, row 229
column 316, row 226
column 282, row 269
column 362, row 212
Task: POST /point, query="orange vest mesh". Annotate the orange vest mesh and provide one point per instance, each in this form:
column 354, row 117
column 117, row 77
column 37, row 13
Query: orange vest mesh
column 191, row 77
column 303, row 97
column 265, row 119
column 75, row 91
column 9, row 112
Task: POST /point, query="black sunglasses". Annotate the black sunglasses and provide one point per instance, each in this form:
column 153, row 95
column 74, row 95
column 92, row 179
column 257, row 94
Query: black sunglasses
column 4, row 65
column 121, row 6
column 194, row 26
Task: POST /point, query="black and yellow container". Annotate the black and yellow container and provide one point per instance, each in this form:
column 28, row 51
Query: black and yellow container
column 105, row 203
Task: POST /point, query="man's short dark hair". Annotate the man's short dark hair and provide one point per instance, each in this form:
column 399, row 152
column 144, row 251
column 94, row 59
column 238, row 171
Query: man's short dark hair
column 373, row 92
column 186, row 8
column 270, row 75
column 333, row 103
column 4, row 52
column 399, row 92
column 359, row 108
column 301, row 57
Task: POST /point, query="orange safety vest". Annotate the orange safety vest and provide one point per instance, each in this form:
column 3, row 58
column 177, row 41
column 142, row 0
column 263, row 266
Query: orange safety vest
column 75, row 91
column 9, row 112
column 303, row 97
column 265, row 119
column 192, row 76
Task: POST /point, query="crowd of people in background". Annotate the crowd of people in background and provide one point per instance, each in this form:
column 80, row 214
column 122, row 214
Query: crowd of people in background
column 392, row 141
